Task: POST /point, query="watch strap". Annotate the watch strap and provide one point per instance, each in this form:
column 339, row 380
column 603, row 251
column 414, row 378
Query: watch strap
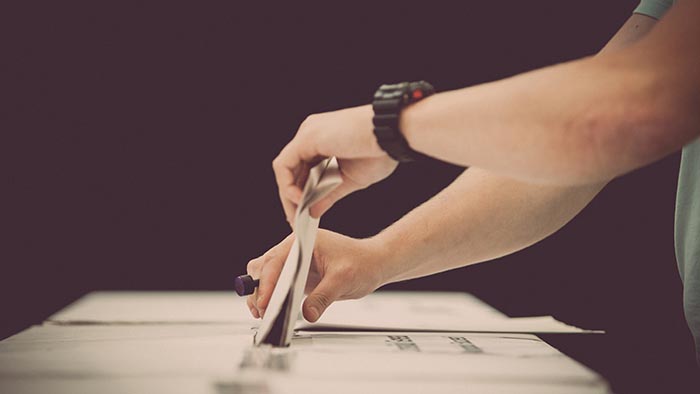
column 389, row 101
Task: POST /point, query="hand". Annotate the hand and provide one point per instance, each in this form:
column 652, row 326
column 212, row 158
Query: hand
column 342, row 268
column 346, row 134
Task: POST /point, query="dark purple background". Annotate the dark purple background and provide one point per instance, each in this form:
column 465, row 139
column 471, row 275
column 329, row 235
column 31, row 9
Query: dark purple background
column 137, row 156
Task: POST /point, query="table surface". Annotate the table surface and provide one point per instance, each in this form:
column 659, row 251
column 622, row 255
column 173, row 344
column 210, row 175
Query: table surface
column 201, row 342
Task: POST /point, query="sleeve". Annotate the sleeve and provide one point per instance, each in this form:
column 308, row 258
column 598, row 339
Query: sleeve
column 653, row 8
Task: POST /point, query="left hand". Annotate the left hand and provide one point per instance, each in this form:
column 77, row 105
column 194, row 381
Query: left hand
column 342, row 268
column 346, row 134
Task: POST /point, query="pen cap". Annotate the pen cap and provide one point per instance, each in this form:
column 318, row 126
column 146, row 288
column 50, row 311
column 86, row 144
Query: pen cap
column 245, row 285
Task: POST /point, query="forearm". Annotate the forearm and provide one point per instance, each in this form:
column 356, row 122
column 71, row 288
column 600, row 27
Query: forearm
column 573, row 123
column 479, row 217
column 482, row 216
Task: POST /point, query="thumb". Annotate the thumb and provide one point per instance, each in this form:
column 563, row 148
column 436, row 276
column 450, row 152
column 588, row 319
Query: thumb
column 320, row 298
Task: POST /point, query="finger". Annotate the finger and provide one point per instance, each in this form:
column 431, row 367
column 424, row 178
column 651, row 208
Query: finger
column 320, row 298
column 286, row 166
column 273, row 262
column 252, row 307
column 289, row 210
column 291, row 168
column 316, row 270
column 268, row 279
column 253, row 269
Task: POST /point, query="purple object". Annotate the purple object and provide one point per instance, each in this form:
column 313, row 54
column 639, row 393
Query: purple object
column 245, row 285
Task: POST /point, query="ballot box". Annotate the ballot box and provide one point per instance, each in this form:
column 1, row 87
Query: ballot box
column 202, row 342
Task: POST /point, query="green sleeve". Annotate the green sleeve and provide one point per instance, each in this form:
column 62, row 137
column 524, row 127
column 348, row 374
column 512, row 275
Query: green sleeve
column 653, row 8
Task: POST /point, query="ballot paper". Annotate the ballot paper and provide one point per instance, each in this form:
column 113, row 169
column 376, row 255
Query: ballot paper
column 281, row 314
column 416, row 311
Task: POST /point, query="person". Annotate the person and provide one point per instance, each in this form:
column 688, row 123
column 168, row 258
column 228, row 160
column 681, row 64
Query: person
column 538, row 146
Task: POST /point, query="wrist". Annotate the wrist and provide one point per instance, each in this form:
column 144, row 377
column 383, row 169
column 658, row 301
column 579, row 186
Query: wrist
column 389, row 258
column 412, row 123
column 367, row 125
column 379, row 261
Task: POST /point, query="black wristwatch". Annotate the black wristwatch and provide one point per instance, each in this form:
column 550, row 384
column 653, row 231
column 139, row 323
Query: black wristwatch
column 388, row 102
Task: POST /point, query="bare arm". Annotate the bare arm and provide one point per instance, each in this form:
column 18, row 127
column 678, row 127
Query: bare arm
column 579, row 122
column 483, row 215
column 480, row 216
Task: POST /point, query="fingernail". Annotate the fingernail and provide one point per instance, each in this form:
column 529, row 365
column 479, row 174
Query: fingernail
column 262, row 313
column 255, row 313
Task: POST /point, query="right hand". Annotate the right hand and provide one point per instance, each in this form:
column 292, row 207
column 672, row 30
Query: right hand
column 347, row 134
column 342, row 268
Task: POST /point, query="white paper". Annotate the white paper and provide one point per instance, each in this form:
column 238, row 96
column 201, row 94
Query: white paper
column 323, row 178
column 416, row 311
column 134, row 307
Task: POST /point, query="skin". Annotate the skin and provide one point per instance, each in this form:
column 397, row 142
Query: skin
column 541, row 146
